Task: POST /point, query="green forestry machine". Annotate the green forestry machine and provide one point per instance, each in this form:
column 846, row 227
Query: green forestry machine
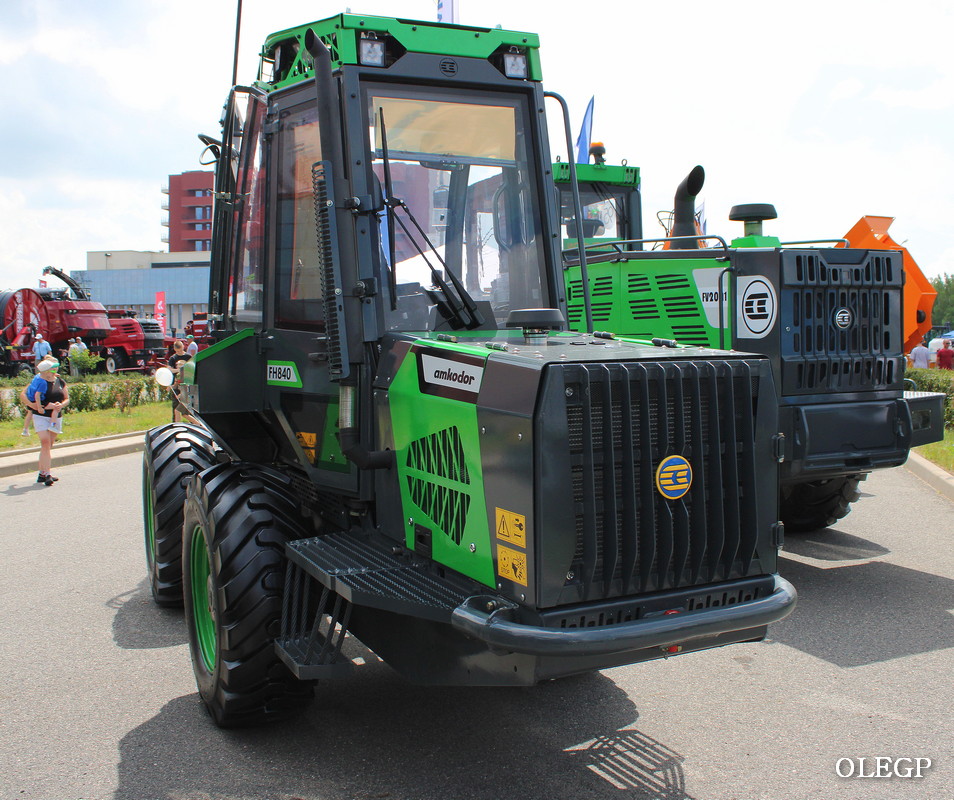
column 828, row 317
column 399, row 437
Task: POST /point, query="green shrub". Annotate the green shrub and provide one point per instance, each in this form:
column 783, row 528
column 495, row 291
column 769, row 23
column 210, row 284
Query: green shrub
column 7, row 409
column 82, row 397
column 86, row 361
column 936, row 380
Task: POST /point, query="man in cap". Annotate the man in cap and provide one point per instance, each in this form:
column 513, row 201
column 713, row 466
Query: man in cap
column 192, row 348
column 41, row 348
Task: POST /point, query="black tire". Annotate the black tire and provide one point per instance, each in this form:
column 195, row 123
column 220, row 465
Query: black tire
column 115, row 362
column 25, row 369
column 813, row 505
column 238, row 518
column 172, row 455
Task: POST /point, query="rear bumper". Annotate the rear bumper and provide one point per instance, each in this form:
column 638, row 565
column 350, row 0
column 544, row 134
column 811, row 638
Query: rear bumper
column 496, row 628
column 927, row 417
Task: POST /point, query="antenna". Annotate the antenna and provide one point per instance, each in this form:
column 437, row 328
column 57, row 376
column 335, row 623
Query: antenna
column 238, row 27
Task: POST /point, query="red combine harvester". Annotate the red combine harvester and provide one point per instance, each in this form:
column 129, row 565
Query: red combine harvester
column 133, row 344
column 55, row 314
column 60, row 314
column 129, row 343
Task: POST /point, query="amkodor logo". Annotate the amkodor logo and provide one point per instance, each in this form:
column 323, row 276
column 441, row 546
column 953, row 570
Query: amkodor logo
column 452, row 374
column 843, row 318
column 673, row 477
column 758, row 308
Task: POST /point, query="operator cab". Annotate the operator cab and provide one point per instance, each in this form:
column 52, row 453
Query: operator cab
column 447, row 200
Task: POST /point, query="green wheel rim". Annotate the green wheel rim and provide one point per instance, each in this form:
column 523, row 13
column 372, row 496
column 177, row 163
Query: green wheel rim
column 202, row 613
column 150, row 522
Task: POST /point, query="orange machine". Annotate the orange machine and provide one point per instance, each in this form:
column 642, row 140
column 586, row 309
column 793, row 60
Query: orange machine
column 919, row 295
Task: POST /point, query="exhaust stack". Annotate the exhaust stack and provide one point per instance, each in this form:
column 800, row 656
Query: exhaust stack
column 684, row 209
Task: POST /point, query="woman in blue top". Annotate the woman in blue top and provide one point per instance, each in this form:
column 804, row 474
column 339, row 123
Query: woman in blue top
column 48, row 398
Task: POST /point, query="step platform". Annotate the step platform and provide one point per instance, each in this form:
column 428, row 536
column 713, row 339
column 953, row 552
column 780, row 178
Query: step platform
column 327, row 575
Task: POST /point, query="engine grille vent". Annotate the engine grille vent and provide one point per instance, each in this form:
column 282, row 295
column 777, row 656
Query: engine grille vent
column 441, row 489
column 842, row 326
column 623, row 419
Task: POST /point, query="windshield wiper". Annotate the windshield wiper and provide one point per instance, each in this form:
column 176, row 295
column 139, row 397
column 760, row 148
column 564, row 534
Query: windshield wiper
column 459, row 302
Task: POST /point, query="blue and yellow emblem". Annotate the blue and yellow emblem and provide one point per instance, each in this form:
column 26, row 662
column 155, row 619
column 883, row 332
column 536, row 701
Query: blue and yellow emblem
column 673, row 477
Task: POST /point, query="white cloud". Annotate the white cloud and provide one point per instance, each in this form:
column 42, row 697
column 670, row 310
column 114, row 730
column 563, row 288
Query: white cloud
column 828, row 113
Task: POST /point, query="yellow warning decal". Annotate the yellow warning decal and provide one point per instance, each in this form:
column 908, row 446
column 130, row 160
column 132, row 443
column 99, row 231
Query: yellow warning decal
column 511, row 527
column 307, row 442
column 512, row 565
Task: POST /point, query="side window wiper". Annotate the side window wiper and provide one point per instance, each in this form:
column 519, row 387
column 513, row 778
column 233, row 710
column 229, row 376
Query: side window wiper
column 461, row 305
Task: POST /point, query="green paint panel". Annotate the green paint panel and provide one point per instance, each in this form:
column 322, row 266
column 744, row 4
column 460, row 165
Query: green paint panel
column 757, row 241
column 329, row 455
column 437, row 445
column 340, row 35
column 597, row 173
column 671, row 299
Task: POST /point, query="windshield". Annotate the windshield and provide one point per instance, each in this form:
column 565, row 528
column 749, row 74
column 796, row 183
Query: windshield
column 465, row 171
column 603, row 212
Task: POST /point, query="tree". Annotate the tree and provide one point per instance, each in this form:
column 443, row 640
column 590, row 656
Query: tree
column 942, row 315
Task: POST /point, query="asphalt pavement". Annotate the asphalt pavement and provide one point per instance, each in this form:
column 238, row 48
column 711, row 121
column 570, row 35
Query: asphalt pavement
column 98, row 700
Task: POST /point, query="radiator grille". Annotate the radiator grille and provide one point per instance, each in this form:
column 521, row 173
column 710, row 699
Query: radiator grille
column 842, row 326
column 623, row 419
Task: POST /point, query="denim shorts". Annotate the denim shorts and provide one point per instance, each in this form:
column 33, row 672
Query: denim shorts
column 46, row 424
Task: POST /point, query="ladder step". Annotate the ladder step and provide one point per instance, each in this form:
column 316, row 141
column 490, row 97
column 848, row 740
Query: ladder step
column 366, row 574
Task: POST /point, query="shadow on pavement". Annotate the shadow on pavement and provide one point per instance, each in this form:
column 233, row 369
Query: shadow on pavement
column 830, row 544
column 375, row 736
column 139, row 624
column 866, row 613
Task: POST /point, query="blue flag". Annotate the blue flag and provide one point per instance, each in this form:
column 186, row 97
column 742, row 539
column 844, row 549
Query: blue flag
column 583, row 141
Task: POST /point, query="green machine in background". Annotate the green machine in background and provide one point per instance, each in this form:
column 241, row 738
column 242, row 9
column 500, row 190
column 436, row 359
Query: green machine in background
column 829, row 318
column 400, row 439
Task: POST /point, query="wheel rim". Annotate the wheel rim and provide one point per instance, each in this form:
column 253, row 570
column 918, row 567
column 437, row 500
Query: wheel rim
column 202, row 601
column 147, row 507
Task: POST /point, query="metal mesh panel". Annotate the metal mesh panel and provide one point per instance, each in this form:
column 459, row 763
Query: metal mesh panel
column 444, row 496
column 843, row 328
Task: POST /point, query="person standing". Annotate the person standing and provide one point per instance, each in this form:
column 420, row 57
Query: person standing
column 73, row 350
column 41, row 348
column 46, row 425
column 945, row 356
column 192, row 347
column 179, row 357
column 919, row 356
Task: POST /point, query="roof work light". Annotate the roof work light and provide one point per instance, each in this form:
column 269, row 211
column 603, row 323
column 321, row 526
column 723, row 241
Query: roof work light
column 371, row 51
column 515, row 64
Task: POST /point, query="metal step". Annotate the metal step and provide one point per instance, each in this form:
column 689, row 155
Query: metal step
column 366, row 574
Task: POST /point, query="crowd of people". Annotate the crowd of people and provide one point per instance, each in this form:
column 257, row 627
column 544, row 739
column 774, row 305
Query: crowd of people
column 47, row 395
column 920, row 356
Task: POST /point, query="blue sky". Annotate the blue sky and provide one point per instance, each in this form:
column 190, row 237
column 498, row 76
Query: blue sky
column 828, row 110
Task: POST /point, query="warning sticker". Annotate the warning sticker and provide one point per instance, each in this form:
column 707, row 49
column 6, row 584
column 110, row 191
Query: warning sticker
column 307, row 442
column 512, row 565
column 511, row 527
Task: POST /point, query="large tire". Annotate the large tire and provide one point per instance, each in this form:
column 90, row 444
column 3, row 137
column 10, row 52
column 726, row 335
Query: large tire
column 237, row 520
column 115, row 362
column 813, row 505
column 172, row 455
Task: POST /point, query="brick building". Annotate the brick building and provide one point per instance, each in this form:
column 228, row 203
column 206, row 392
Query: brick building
column 189, row 207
